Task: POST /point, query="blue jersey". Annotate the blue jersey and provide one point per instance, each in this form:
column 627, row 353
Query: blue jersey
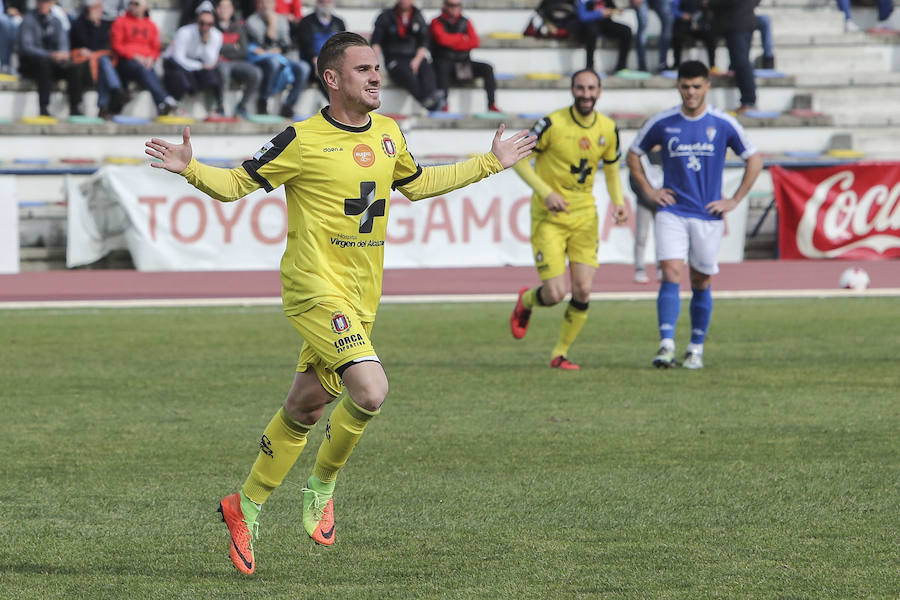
column 693, row 155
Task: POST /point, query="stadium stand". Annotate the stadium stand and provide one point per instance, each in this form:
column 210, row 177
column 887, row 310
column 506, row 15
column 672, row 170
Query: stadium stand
column 832, row 91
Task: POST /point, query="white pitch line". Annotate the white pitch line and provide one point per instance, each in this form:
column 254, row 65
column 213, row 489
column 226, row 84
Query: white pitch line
column 433, row 298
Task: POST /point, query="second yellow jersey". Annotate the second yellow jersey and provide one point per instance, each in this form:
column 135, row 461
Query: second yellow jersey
column 569, row 151
column 338, row 182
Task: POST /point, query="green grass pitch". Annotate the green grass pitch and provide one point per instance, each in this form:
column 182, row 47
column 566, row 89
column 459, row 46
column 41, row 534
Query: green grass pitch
column 772, row 473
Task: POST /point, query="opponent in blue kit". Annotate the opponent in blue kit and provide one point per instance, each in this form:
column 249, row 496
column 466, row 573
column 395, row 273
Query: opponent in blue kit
column 694, row 139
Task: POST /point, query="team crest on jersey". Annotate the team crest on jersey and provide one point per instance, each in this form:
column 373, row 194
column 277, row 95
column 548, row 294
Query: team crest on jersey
column 339, row 322
column 584, row 143
column 710, row 133
column 388, row 144
column 602, row 141
column 364, row 155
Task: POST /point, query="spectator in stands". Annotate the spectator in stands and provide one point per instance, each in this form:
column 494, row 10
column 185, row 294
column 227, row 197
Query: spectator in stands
column 135, row 42
column 664, row 12
column 233, row 56
column 89, row 39
column 452, row 38
column 401, row 37
column 584, row 19
column 884, row 25
column 8, row 29
column 190, row 61
column 554, row 19
column 767, row 59
column 735, row 20
column 44, row 57
column 595, row 20
column 314, row 30
column 692, row 23
column 270, row 41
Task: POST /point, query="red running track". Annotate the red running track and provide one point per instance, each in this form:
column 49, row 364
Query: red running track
column 119, row 285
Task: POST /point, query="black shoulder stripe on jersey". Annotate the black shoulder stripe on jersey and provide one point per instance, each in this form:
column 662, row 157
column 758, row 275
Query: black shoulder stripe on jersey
column 269, row 152
column 251, row 171
column 540, row 127
column 618, row 152
column 406, row 180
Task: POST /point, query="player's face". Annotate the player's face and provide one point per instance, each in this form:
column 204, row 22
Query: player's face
column 586, row 91
column 360, row 78
column 693, row 93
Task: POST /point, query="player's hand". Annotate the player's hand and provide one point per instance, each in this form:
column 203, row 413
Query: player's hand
column 174, row 157
column 662, row 196
column 620, row 214
column 720, row 207
column 556, row 203
column 514, row 148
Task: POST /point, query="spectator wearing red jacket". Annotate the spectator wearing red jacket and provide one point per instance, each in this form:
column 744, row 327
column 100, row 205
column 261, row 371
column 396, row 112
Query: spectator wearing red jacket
column 453, row 37
column 135, row 42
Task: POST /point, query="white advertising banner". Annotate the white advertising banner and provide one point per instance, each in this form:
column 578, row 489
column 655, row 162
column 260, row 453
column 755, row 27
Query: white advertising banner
column 167, row 224
column 9, row 226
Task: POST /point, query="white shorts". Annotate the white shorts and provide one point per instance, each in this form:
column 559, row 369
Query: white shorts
column 696, row 240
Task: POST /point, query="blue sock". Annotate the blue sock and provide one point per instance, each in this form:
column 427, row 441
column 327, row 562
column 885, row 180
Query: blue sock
column 701, row 311
column 668, row 305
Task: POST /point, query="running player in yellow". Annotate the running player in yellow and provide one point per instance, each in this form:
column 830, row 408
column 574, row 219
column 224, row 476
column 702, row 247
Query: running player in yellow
column 338, row 168
column 572, row 143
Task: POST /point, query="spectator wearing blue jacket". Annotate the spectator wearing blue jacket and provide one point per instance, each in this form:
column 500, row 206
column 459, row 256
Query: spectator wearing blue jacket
column 314, row 30
column 8, row 28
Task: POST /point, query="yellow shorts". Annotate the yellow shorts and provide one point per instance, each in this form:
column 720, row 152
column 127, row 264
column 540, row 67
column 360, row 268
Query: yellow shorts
column 333, row 339
column 553, row 237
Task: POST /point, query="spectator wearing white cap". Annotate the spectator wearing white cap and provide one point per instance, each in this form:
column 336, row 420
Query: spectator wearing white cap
column 189, row 62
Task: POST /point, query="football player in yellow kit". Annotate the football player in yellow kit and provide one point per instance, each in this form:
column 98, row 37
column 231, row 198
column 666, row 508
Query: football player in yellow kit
column 338, row 168
column 571, row 143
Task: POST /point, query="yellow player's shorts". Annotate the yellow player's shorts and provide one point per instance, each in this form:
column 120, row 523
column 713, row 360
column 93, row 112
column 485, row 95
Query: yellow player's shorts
column 553, row 237
column 333, row 339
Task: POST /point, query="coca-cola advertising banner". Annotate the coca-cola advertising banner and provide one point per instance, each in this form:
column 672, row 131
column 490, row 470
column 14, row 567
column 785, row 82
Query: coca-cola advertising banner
column 848, row 211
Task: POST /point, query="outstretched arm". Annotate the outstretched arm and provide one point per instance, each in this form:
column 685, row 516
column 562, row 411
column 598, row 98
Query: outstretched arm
column 434, row 181
column 225, row 185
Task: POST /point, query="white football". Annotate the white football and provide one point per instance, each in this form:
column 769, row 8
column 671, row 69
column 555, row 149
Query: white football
column 854, row 278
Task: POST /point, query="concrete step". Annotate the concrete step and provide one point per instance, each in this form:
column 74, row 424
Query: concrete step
column 517, row 96
column 785, row 21
column 853, row 106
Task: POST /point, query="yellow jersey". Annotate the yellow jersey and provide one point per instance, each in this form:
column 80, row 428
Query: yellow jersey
column 570, row 147
column 338, row 181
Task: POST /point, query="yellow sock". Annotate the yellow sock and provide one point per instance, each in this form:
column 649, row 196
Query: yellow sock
column 532, row 298
column 574, row 319
column 280, row 446
column 345, row 427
